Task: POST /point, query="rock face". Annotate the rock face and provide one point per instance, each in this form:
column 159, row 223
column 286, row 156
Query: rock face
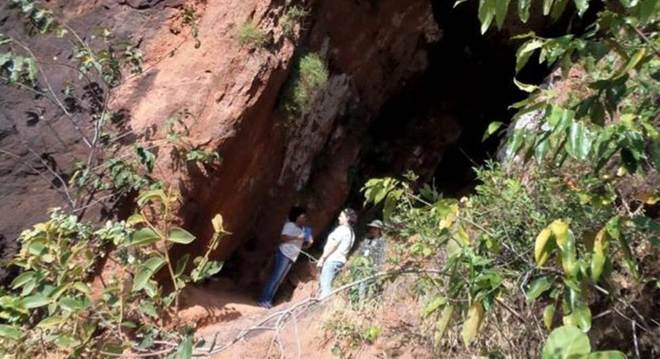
column 232, row 92
column 229, row 94
column 38, row 143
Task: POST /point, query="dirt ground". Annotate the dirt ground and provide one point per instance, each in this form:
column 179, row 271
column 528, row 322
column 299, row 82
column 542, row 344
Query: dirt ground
column 221, row 312
column 231, row 324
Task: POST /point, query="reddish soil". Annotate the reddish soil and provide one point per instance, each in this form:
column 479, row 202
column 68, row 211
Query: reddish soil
column 221, row 311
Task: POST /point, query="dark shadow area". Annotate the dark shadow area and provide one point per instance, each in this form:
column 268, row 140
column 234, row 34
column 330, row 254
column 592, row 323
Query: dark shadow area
column 434, row 126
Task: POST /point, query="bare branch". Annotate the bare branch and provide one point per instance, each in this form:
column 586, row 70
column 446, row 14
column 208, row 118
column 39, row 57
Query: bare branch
column 53, row 95
column 64, row 190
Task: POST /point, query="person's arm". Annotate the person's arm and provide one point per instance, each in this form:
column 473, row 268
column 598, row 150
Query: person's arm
column 308, row 243
column 286, row 238
column 330, row 247
column 288, row 233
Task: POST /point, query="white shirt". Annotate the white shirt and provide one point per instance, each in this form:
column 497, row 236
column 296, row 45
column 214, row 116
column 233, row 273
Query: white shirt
column 343, row 237
column 291, row 249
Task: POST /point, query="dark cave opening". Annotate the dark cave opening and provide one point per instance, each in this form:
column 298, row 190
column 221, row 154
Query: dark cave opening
column 434, row 126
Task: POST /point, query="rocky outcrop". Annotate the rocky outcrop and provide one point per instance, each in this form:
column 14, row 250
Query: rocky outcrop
column 38, row 142
column 268, row 167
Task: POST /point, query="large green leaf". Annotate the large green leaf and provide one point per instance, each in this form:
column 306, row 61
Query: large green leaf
column 599, row 254
column 558, row 9
column 580, row 317
column 541, row 149
column 559, row 119
column 35, row 301
column 542, row 247
column 646, row 10
column 515, row 143
column 443, row 321
column 492, row 128
column 569, row 255
column 523, row 10
column 180, row 235
column 37, row 247
column 185, row 348
column 144, row 236
column 547, row 6
column 579, row 141
column 205, row 269
column 146, row 271
column 23, row 279
column 74, row 304
column 582, row 6
column 66, row 341
column 472, row 323
column 538, row 287
column 157, row 194
column 631, row 64
column 549, row 315
column 566, row 342
column 11, row 332
column 135, row 219
column 181, row 265
column 486, row 13
column 50, row 322
column 501, row 9
column 82, row 288
column 433, row 305
column 525, row 51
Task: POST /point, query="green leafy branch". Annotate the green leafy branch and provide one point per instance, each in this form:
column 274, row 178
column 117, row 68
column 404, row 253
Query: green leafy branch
column 51, row 306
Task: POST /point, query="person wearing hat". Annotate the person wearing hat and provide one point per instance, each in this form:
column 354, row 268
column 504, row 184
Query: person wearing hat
column 373, row 248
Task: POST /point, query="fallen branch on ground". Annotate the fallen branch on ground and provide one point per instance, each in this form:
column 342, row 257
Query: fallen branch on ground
column 281, row 318
column 295, row 310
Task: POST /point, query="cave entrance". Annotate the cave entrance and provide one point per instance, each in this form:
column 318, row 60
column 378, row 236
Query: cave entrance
column 434, row 126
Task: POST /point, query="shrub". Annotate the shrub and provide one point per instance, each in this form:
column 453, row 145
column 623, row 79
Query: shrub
column 294, row 15
column 250, row 34
column 308, row 76
column 360, row 267
column 350, row 332
column 548, row 239
column 51, row 306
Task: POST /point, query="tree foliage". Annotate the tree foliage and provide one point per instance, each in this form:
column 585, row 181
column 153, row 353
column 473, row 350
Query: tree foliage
column 55, row 305
column 605, row 111
column 555, row 231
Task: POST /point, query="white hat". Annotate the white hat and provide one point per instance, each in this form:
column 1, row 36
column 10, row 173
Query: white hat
column 376, row 224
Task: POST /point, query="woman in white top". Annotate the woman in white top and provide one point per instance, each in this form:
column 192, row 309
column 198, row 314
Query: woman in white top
column 336, row 249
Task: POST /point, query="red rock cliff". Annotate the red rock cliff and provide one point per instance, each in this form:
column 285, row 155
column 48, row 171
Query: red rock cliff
column 230, row 92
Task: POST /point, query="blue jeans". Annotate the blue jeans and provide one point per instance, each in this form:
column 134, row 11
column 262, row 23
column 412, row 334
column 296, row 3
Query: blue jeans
column 280, row 269
column 328, row 274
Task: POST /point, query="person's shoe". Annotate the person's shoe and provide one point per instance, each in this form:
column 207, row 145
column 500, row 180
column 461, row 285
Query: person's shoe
column 265, row 305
